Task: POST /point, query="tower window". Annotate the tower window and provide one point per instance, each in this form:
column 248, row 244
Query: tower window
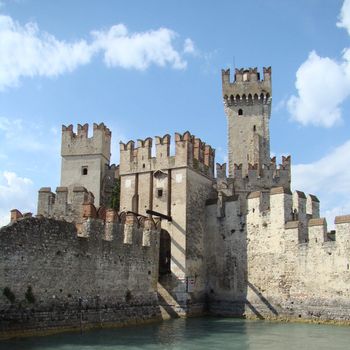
column 254, row 128
column 84, row 170
column 159, row 192
column 240, row 111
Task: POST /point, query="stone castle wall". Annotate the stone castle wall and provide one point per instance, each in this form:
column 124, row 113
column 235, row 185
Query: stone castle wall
column 64, row 277
column 282, row 263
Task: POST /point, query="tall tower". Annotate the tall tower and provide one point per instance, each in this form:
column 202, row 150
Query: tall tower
column 85, row 160
column 248, row 108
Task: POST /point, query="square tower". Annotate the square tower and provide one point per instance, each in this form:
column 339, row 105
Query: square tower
column 247, row 103
column 176, row 186
column 85, row 160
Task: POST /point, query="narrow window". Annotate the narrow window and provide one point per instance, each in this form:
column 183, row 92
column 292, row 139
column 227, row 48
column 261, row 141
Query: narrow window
column 143, row 166
column 84, row 170
column 254, row 128
column 240, row 111
column 159, row 192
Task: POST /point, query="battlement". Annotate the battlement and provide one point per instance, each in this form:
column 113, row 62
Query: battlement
column 189, row 152
column 296, row 204
column 269, row 176
column 297, row 215
column 317, row 233
column 88, row 219
column 83, row 130
column 247, row 87
column 57, row 205
column 79, row 143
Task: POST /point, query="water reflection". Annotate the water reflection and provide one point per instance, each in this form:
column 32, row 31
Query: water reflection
column 201, row 333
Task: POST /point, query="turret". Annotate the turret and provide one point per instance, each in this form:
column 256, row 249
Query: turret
column 247, row 103
column 84, row 158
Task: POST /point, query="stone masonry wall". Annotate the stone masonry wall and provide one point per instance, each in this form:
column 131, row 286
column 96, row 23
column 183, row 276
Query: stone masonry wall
column 200, row 188
column 290, row 267
column 54, row 278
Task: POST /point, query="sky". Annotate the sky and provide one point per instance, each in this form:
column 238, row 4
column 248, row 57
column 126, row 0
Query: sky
column 148, row 68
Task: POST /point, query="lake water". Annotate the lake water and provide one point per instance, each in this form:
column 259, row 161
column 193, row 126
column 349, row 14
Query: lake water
column 201, row 333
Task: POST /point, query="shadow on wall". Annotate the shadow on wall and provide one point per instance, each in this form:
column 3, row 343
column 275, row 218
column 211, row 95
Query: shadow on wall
column 264, row 301
column 172, row 290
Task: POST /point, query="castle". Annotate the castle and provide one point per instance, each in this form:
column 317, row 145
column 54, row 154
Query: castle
column 184, row 242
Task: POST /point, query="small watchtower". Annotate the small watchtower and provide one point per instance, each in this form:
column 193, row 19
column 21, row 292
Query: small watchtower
column 85, row 160
column 247, row 103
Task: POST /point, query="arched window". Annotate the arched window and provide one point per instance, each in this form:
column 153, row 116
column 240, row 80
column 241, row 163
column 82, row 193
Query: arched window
column 240, row 111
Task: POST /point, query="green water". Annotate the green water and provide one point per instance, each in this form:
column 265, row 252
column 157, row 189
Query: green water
column 202, row 333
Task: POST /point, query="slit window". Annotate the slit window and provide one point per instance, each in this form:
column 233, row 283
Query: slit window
column 240, row 111
column 84, row 170
column 159, row 192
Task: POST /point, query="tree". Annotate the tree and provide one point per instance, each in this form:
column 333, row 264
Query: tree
column 115, row 197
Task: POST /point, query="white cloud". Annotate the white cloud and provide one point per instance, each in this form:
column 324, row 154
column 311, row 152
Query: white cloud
column 138, row 50
column 344, row 17
column 15, row 192
column 329, row 179
column 189, row 46
column 280, row 105
column 322, row 84
column 25, row 51
column 17, row 134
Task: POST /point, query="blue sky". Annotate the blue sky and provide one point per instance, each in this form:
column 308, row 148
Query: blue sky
column 148, row 68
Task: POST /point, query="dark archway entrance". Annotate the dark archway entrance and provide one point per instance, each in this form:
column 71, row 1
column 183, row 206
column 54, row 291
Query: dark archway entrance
column 164, row 253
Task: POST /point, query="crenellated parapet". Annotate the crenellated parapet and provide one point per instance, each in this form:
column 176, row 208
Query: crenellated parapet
column 56, row 204
column 247, row 88
column 287, row 214
column 126, row 227
column 79, row 143
column 189, row 152
column 221, row 171
column 268, row 176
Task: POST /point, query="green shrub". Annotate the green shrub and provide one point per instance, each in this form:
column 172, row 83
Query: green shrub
column 115, row 197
